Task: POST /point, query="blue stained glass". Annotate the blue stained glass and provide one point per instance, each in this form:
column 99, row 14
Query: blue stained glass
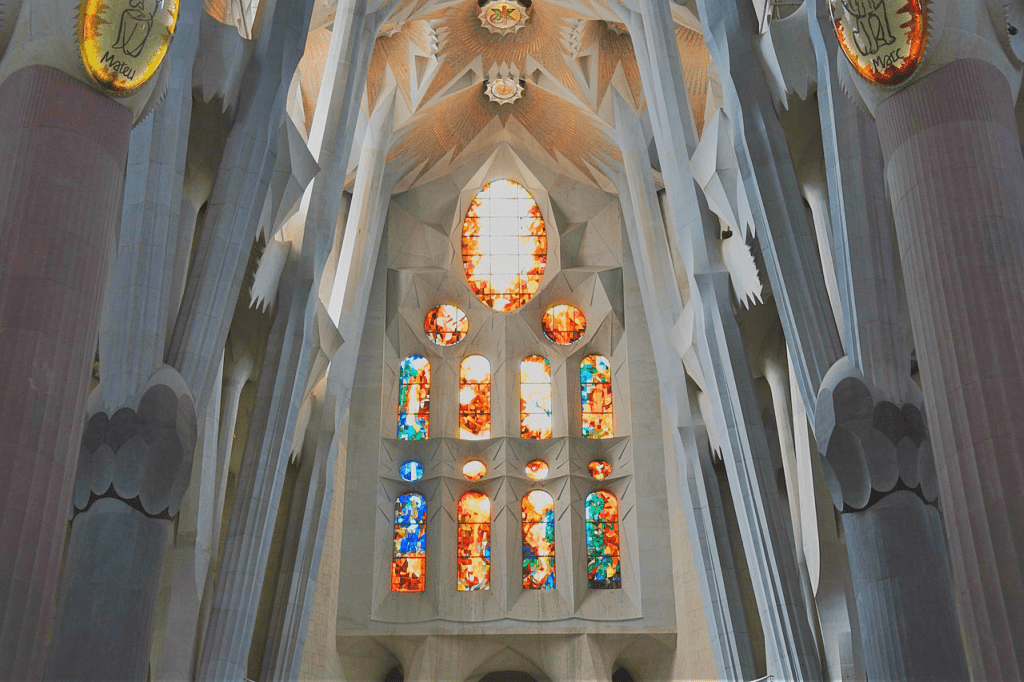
column 410, row 508
column 411, row 471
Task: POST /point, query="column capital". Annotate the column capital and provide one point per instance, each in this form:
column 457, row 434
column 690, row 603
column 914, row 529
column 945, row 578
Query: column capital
column 870, row 445
column 140, row 453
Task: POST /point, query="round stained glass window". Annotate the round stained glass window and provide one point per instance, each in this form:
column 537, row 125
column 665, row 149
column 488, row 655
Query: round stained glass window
column 411, row 471
column 564, row 324
column 474, row 470
column 504, row 245
column 446, row 325
column 537, row 470
column 599, row 469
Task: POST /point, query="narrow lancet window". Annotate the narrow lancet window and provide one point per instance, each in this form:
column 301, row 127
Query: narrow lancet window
column 475, row 398
column 596, row 397
column 410, row 555
column 538, row 541
column 474, row 552
column 535, row 397
column 414, row 398
column 603, row 570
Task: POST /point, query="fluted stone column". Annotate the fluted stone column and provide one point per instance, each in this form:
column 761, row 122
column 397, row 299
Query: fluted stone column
column 133, row 471
column 955, row 174
column 62, row 157
column 879, row 468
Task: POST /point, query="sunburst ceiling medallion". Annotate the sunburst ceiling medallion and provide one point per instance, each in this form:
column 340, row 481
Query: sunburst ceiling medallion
column 617, row 27
column 504, row 90
column 503, row 16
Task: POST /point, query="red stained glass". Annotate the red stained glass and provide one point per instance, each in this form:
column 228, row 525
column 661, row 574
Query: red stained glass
column 475, row 398
column 446, row 325
column 599, row 469
column 564, row 324
column 535, row 397
column 474, row 542
column 537, row 470
column 504, row 245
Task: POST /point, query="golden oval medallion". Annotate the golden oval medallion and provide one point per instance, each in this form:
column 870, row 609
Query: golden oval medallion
column 883, row 39
column 122, row 42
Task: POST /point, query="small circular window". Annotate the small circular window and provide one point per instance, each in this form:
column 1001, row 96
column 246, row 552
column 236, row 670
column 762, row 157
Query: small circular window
column 446, row 325
column 564, row 324
column 537, row 470
column 474, row 470
column 504, row 245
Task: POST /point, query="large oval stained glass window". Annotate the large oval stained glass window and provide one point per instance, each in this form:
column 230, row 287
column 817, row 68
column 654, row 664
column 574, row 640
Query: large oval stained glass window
column 504, row 245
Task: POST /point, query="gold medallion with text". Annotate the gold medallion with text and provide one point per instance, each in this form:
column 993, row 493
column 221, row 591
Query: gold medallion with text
column 883, row 39
column 122, row 42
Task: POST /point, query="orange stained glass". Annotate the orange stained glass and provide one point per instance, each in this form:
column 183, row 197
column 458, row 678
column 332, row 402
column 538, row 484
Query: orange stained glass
column 538, row 541
column 599, row 469
column 504, row 245
column 414, row 398
column 475, row 398
column 564, row 324
column 596, row 397
column 602, row 522
column 446, row 325
column 535, row 397
column 474, row 542
column 474, row 470
column 410, row 552
column 884, row 40
column 537, row 470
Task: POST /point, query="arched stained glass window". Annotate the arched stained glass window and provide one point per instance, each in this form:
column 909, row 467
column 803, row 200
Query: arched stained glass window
column 475, row 398
column 410, row 556
column 603, row 540
column 596, row 397
column 535, row 397
column 414, row 398
column 474, row 537
column 538, row 541
column 504, row 245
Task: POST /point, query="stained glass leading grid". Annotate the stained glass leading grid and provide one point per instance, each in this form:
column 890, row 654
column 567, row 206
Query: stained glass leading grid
column 603, row 571
column 410, row 554
column 475, row 398
column 446, row 325
column 535, row 397
column 504, row 245
column 414, row 398
column 564, row 324
column 596, row 397
column 474, row 540
column 538, row 541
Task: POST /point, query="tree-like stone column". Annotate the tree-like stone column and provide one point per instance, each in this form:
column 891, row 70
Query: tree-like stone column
column 955, row 173
column 879, row 468
column 133, row 471
column 62, row 157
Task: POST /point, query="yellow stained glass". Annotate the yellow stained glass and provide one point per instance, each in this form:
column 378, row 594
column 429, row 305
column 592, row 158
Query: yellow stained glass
column 537, row 470
column 596, row 397
column 504, row 245
column 474, row 470
column 535, row 397
column 564, row 324
column 599, row 469
column 475, row 398
column 446, row 325
column 538, row 541
column 474, row 542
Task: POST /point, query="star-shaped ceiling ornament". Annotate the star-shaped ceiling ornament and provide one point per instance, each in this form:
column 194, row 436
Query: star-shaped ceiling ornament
column 504, row 90
column 503, row 16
